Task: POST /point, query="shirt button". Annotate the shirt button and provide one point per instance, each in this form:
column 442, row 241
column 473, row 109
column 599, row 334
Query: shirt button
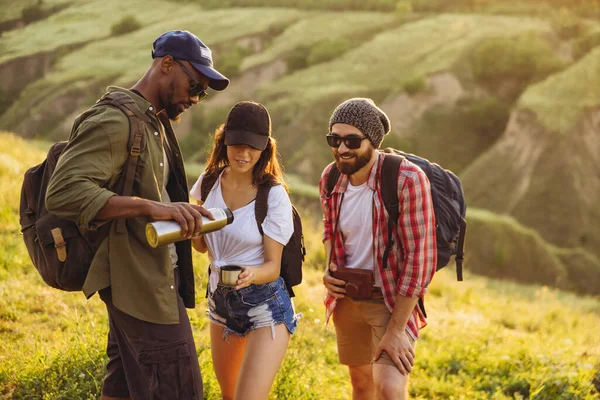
column 161, row 164
column 150, row 108
column 172, row 287
column 155, row 133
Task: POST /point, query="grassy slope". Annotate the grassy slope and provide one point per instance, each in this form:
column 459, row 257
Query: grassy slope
column 80, row 23
column 302, row 101
column 415, row 49
column 319, row 27
column 122, row 60
column 560, row 100
column 10, row 9
column 532, row 185
column 128, row 56
column 500, row 247
column 485, row 339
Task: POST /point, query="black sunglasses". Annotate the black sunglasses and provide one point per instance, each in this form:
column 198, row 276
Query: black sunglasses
column 196, row 88
column 351, row 142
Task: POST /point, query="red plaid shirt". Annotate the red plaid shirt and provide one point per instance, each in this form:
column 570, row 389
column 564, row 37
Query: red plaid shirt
column 413, row 257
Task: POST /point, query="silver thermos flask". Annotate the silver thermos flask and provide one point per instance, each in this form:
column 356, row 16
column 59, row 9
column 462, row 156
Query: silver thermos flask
column 159, row 233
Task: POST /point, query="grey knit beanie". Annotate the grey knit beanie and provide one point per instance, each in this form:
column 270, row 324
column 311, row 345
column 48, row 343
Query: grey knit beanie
column 363, row 114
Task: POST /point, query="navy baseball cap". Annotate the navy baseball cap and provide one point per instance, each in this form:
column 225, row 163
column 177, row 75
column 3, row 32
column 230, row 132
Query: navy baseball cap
column 184, row 45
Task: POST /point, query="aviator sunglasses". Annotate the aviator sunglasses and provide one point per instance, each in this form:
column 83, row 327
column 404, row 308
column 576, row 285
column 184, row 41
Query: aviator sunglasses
column 351, row 142
column 196, row 88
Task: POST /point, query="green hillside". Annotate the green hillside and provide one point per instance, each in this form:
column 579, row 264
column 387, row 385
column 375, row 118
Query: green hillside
column 500, row 247
column 327, row 26
column 542, row 169
column 82, row 75
column 415, row 49
column 380, row 68
column 561, row 100
column 11, row 10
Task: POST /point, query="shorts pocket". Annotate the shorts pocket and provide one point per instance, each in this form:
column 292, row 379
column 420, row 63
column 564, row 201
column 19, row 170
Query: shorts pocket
column 169, row 372
column 256, row 295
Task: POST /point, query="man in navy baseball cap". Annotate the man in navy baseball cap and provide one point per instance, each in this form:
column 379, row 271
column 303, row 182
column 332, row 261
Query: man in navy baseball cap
column 181, row 71
column 124, row 164
column 184, row 45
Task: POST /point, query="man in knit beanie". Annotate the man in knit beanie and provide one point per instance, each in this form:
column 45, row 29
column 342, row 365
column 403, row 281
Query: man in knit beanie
column 373, row 279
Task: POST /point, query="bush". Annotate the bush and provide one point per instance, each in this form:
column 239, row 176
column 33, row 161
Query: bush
column 487, row 117
column 394, row 141
column 230, row 61
column 327, row 50
column 7, row 98
column 583, row 271
column 297, row 59
column 415, row 85
column 127, row 24
column 195, row 145
column 33, row 13
column 526, row 59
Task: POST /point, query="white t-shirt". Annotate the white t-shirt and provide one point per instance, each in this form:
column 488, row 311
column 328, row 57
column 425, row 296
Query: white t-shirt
column 356, row 226
column 240, row 243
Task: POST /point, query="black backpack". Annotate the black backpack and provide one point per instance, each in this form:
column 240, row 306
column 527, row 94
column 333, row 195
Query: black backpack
column 293, row 252
column 448, row 203
column 60, row 253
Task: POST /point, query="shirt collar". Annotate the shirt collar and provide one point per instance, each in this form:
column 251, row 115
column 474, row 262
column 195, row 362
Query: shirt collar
column 143, row 104
column 343, row 181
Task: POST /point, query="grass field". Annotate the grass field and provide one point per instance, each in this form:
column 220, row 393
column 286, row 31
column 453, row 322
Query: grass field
column 486, row 339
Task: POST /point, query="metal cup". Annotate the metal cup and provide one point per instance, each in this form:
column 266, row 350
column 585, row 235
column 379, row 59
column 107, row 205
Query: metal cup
column 229, row 274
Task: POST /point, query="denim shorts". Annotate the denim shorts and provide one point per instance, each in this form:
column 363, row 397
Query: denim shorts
column 252, row 307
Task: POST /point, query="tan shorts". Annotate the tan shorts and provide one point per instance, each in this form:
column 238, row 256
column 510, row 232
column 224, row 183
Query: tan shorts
column 359, row 327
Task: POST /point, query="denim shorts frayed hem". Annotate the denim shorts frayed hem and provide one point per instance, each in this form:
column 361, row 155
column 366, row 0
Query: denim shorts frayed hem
column 251, row 308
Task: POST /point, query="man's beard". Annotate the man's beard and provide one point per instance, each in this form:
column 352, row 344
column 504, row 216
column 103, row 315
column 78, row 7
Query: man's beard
column 348, row 168
column 172, row 109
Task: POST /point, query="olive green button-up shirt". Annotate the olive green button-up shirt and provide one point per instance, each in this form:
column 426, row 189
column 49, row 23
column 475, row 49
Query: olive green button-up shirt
column 141, row 277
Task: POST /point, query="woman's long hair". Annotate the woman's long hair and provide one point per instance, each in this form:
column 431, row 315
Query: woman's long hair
column 267, row 170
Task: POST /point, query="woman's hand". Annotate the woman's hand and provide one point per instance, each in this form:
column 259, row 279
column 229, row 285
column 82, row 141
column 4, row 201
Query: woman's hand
column 246, row 278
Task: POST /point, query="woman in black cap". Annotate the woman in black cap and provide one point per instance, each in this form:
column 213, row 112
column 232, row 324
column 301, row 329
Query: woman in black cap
column 251, row 322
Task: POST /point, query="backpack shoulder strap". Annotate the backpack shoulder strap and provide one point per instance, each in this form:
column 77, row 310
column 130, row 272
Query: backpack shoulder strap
column 208, row 181
column 388, row 182
column 137, row 138
column 261, row 205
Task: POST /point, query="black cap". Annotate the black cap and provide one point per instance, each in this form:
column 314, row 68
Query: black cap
column 184, row 45
column 248, row 123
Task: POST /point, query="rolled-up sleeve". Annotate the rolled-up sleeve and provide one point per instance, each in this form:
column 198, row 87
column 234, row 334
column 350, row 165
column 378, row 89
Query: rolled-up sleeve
column 417, row 232
column 77, row 189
